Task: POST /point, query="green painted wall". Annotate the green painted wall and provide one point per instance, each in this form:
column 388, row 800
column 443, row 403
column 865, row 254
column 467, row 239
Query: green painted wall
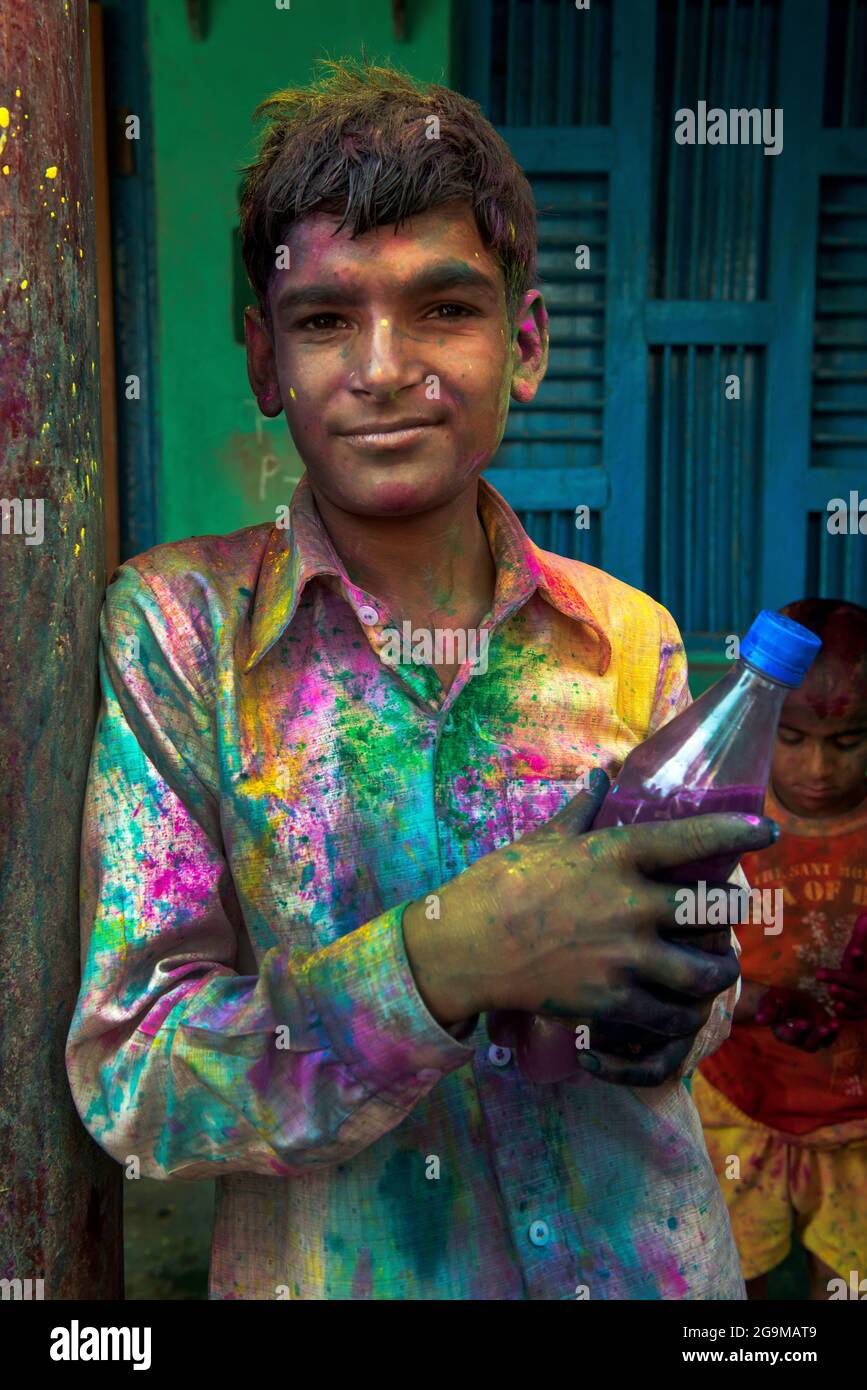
column 223, row 465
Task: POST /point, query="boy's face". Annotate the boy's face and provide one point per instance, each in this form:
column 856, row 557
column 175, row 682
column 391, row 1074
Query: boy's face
column 820, row 763
column 393, row 358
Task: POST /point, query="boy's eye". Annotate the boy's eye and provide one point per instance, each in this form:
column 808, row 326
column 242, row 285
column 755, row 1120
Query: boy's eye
column 451, row 310
column 321, row 322
column 789, row 736
column 852, row 740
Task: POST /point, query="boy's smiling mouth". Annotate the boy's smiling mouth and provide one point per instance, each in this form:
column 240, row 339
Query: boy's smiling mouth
column 399, row 435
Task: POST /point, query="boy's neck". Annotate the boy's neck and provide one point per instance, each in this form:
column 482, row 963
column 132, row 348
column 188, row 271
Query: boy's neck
column 434, row 569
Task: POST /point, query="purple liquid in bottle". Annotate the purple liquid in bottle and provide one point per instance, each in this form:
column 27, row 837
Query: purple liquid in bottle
column 685, row 802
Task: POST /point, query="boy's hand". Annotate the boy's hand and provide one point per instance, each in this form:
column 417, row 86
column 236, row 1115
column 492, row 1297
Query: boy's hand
column 848, row 985
column 795, row 1017
column 567, row 923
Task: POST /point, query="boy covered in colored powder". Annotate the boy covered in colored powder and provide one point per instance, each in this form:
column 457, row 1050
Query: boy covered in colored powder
column 784, row 1101
column 314, row 859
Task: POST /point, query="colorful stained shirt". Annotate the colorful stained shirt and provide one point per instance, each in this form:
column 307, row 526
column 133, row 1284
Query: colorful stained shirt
column 266, row 795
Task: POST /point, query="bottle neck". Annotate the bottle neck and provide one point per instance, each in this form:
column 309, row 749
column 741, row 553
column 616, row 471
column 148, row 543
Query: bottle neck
column 756, row 676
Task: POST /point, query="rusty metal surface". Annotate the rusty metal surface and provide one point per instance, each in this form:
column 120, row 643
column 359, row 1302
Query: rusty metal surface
column 60, row 1203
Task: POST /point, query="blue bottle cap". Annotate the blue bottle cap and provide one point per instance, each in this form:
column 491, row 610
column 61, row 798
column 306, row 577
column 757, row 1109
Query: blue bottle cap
column 779, row 647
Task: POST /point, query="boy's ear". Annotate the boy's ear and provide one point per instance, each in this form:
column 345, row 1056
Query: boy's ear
column 529, row 346
column 261, row 362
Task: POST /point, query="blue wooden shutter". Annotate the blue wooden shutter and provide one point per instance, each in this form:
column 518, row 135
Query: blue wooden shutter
column 718, row 261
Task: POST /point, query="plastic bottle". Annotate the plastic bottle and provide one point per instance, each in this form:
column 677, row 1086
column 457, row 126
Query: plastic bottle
column 715, row 756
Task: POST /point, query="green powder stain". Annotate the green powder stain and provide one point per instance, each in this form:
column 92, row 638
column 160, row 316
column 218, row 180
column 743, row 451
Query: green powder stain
column 420, row 1210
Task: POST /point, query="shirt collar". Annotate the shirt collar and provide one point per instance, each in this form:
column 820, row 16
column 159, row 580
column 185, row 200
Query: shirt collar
column 301, row 550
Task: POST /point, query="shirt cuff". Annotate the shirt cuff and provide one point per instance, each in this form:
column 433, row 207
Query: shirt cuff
column 375, row 1018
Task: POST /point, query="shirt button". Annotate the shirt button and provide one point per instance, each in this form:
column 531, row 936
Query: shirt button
column 499, row 1056
column 368, row 615
column 539, row 1233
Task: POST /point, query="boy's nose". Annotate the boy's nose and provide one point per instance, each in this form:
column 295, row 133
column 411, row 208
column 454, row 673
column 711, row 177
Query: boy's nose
column 818, row 759
column 385, row 360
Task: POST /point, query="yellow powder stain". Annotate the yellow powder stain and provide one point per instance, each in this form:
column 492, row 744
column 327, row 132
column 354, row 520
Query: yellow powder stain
column 24, row 284
column 384, row 322
column 4, row 116
column 80, row 252
column 2, row 143
column 51, row 171
column 73, row 388
column 82, row 533
column 5, row 168
column 18, row 91
column 292, row 392
column 77, row 547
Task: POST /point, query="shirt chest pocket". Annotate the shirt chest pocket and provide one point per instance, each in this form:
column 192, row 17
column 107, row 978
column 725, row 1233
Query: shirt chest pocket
column 534, row 800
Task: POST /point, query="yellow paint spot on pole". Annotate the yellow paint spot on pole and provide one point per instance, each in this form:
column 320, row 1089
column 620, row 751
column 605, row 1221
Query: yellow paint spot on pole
column 51, row 171
column 5, row 168
column 24, row 284
column 4, row 116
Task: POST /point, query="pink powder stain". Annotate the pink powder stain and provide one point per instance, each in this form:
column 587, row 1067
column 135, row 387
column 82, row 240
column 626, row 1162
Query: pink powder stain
column 654, row 1254
column 537, row 762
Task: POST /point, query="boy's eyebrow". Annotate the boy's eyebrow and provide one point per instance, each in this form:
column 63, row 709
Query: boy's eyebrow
column 448, row 275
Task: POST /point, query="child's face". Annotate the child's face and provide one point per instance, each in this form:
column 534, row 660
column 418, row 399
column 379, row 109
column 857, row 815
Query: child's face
column 820, row 764
column 388, row 330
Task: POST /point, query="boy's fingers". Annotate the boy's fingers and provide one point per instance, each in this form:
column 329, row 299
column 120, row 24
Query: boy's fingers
column 772, row 1007
column 578, row 815
column 649, row 1071
column 791, row 1031
column 844, row 993
column 686, row 970
column 667, row 844
column 849, row 978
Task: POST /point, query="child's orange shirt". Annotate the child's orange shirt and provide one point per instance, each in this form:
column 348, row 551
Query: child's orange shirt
column 821, row 867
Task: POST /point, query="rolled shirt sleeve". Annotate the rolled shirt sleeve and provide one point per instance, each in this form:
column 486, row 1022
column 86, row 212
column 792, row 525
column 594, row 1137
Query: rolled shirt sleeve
column 174, row 1057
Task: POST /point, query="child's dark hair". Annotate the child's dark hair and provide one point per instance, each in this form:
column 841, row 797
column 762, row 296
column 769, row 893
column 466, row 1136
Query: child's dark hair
column 355, row 143
column 836, row 682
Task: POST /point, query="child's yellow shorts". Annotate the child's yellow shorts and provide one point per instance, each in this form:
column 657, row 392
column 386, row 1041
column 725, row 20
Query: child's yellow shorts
column 824, row 1183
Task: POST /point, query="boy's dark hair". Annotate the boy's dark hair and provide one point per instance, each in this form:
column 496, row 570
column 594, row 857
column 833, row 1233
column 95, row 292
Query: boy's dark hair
column 355, row 143
column 836, row 682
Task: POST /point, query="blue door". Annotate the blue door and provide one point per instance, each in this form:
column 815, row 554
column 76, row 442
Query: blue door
column 707, row 393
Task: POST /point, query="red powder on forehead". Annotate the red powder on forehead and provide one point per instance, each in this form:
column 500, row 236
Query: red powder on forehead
column 836, row 683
